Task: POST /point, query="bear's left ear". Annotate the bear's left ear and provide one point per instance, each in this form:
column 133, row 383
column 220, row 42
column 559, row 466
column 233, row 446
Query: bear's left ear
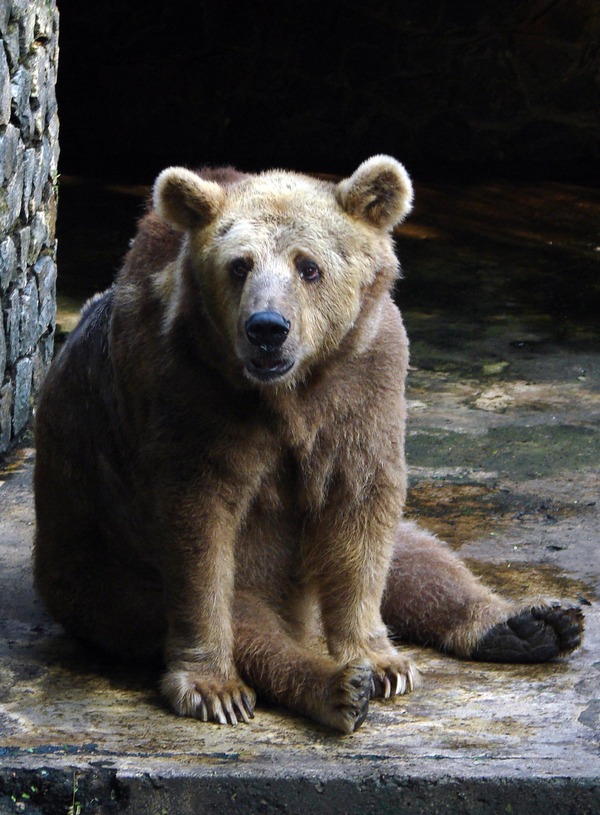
column 186, row 200
column 379, row 191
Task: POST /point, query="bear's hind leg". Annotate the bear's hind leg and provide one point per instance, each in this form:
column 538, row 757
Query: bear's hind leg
column 291, row 674
column 431, row 597
column 118, row 611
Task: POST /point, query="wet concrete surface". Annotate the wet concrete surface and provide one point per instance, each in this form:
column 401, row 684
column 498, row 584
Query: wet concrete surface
column 501, row 299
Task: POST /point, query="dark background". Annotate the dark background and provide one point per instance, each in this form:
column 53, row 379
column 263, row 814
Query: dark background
column 504, row 87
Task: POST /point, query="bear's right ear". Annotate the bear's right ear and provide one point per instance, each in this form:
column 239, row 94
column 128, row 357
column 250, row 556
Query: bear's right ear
column 185, row 200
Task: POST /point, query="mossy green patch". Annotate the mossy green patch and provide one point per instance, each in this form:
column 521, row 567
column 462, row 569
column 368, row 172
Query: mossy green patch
column 522, row 452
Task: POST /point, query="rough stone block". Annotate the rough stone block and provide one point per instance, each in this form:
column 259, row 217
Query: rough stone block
column 11, row 43
column 19, row 9
column 23, row 394
column 6, row 406
column 51, row 103
column 29, row 328
column 39, row 237
column 24, row 236
column 36, row 68
column 39, row 94
column 29, row 162
column 14, row 196
column 3, row 212
column 2, row 349
column 47, row 157
column 5, row 92
column 9, row 149
column 4, row 17
column 53, row 135
column 12, row 327
column 45, row 270
column 43, row 158
column 38, row 121
column 44, row 22
column 21, row 90
column 51, row 206
column 26, row 17
column 8, row 262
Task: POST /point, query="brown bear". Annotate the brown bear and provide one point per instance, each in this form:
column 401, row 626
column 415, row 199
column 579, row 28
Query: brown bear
column 220, row 472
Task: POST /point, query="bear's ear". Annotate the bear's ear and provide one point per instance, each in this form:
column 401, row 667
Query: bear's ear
column 379, row 191
column 185, row 200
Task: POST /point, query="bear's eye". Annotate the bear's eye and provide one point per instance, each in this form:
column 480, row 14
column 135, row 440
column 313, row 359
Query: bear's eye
column 240, row 267
column 308, row 269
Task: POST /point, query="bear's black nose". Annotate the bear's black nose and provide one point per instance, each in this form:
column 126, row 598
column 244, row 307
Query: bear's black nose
column 267, row 329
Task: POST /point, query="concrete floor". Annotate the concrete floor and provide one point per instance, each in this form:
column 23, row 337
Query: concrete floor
column 502, row 302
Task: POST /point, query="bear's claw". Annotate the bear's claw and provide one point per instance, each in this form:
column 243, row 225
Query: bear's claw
column 536, row 634
column 208, row 698
column 396, row 678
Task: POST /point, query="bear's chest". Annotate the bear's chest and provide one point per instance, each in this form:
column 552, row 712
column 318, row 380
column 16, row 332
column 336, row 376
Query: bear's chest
column 267, row 553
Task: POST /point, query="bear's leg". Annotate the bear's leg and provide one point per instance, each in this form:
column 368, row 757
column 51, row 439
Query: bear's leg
column 346, row 554
column 294, row 675
column 431, row 597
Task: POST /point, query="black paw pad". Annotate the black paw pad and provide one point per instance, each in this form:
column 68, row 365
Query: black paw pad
column 534, row 635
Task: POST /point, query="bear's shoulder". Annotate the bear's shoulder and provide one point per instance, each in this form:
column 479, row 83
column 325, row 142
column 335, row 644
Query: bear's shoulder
column 155, row 245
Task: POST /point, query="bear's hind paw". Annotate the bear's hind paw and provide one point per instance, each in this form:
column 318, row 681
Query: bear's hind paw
column 536, row 634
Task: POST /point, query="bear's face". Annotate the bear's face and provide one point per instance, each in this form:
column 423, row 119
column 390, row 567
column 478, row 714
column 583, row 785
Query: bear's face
column 283, row 260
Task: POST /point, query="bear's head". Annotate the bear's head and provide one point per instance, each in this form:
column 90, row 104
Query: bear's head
column 285, row 263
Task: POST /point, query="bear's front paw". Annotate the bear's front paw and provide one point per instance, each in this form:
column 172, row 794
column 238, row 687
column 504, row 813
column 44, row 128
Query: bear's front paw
column 535, row 634
column 208, row 697
column 345, row 704
column 393, row 675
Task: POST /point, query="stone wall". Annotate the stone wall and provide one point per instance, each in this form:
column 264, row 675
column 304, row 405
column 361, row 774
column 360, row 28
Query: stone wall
column 28, row 179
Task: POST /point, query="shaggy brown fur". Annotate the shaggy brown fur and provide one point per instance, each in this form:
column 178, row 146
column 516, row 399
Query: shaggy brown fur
column 220, row 458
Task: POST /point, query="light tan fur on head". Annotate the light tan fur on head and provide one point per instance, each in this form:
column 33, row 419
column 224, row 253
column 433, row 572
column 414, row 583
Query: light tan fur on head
column 274, row 223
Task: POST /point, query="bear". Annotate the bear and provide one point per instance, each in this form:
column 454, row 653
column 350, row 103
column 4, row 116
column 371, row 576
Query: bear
column 220, row 474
